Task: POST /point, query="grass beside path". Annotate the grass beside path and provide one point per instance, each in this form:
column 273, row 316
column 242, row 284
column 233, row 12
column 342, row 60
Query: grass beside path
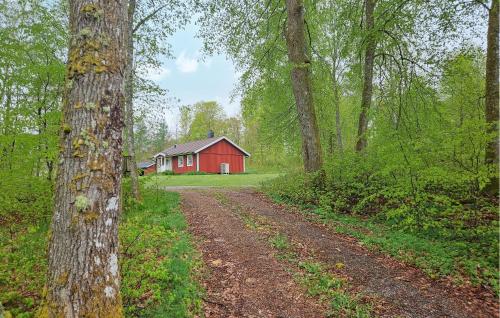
column 462, row 261
column 209, row 180
column 158, row 262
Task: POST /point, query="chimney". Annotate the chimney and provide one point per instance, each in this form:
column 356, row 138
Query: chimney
column 210, row 133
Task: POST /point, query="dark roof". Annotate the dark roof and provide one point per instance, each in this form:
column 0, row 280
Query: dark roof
column 189, row 147
column 145, row 164
column 195, row 146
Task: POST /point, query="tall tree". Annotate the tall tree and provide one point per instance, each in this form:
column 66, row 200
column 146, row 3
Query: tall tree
column 129, row 100
column 366, row 96
column 333, row 40
column 83, row 278
column 492, row 98
column 301, row 84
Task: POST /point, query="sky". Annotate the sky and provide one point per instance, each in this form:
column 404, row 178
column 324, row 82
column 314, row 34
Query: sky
column 191, row 77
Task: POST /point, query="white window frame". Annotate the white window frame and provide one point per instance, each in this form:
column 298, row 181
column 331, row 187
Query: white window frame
column 180, row 161
column 189, row 160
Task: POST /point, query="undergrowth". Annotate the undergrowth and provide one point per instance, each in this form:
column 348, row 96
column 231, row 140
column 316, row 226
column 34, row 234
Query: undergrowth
column 442, row 227
column 158, row 261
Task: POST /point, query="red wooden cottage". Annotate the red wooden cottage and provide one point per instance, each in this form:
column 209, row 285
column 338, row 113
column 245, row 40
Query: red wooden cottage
column 212, row 155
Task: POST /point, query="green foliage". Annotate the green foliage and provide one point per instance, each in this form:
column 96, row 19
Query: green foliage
column 198, row 119
column 421, row 176
column 442, row 226
column 158, row 261
column 319, row 282
column 279, row 242
column 22, row 266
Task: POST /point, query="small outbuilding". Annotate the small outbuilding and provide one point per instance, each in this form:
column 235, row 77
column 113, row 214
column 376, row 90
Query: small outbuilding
column 211, row 155
column 146, row 167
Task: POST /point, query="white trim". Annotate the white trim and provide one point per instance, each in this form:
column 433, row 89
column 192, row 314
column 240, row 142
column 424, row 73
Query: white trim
column 197, row 162
column 187, row 160
column 159, row 154
column 168, row 163
column 219, row 139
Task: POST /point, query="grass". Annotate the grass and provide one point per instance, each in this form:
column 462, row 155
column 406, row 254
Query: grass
column 159, row 264
column 22, row 268
column 319, row 282
column 279, row 242
column 209, row 180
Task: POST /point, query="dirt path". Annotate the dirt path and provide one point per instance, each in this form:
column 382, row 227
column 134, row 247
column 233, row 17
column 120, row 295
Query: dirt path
column 247, row 280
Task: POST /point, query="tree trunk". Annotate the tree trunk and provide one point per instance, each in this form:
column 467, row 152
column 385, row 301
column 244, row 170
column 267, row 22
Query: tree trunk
column 336, row 101
column 301, row 84
column 83, row 278
column 366, row 97
column 492, row 98
column 129, row 102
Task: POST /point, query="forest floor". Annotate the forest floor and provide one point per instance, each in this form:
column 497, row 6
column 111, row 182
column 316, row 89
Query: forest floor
column 267, row 260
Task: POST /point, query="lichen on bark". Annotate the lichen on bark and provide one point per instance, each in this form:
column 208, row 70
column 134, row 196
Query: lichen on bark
column 89, row 175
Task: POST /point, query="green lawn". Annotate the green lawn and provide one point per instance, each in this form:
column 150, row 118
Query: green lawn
column 211, row 180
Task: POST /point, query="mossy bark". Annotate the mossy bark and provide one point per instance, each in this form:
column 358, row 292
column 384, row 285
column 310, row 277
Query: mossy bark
column 301, row 84
column 83, row 278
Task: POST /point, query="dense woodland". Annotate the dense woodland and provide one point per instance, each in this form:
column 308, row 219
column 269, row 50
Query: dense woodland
column 385, row 110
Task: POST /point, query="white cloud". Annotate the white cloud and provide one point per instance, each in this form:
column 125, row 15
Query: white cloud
column 186, row 64
column 155, row 74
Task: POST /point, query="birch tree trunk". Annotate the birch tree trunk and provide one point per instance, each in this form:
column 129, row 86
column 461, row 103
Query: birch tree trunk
column 492, row 90
column 366, row 97
column 301, row 83
column 83, row 278
column 129, row 102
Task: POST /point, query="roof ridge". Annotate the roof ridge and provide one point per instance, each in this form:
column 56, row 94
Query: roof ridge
column 195, row 146
column 194, row 141
column 189, row 147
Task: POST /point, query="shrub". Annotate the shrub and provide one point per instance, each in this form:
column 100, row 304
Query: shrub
column 435, row 206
